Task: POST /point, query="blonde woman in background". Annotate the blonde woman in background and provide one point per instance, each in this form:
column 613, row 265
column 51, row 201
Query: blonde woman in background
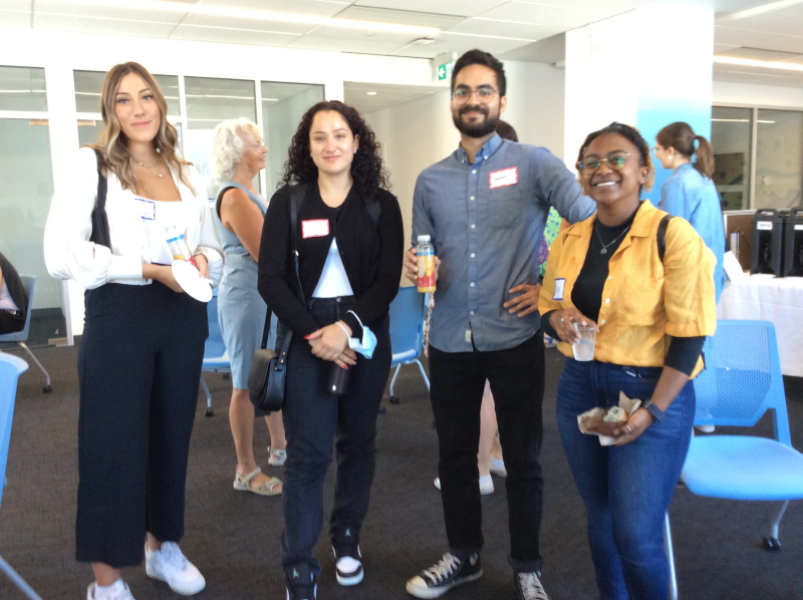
column 239, row 155
column 143, row 342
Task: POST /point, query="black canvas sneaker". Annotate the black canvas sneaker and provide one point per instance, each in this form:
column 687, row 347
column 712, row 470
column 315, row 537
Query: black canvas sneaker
column 528, row 586
column 349, row 565
column 448, row 573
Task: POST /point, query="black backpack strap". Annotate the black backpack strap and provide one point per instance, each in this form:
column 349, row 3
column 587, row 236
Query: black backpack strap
column 662, row 236
column 100, row 222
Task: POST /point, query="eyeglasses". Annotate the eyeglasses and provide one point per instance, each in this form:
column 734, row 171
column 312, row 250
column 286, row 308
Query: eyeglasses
column 485, row 94
column 616, row 160
column 257, row 146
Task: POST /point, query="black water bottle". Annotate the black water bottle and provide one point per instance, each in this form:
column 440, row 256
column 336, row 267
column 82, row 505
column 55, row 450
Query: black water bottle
column 338, row 379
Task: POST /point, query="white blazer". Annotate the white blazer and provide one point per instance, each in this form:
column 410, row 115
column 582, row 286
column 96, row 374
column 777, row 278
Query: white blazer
column 70, row 255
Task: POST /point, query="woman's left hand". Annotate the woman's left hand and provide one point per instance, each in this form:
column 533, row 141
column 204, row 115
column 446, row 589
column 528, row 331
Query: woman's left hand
column 635, row 426
column 329, row 343
column 203, row 265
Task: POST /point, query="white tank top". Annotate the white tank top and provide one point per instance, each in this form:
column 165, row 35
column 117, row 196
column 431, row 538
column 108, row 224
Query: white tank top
column 334, row 281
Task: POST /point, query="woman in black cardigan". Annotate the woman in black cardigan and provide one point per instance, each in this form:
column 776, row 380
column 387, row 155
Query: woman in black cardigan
column 350, row 245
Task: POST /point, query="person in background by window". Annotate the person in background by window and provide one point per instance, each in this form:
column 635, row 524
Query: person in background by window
column 238, row 156
column 648, row 344
column 13, row 299
column 689, row 192
column 350, row 244
column 140, row 358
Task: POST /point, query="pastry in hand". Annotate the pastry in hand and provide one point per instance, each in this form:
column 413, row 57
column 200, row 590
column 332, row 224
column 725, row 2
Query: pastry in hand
column 615, row 414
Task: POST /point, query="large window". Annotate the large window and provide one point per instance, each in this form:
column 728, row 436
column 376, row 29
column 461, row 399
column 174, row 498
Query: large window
column 88, row 85
column 759, row 157
column 22, row 89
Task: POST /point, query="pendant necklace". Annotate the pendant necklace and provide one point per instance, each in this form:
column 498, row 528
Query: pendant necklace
column 606, row 246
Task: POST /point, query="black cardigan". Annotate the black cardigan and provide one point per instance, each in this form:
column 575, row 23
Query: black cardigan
column 14, row 284
column 372, row 255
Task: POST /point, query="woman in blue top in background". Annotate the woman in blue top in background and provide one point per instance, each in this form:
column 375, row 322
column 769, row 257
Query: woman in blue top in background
column 689, row 192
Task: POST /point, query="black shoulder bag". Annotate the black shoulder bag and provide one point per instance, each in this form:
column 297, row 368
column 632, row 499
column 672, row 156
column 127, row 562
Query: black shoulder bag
column 266, row 378
column 100, row 222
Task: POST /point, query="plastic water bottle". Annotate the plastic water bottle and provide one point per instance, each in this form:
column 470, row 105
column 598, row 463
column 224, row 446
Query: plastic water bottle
column 178, row 246
column 425, row 252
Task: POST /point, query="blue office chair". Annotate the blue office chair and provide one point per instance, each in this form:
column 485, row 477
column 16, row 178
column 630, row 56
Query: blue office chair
column 742, row 380
column 11, row 368
column 20, row 337
column 216, row 357
column 407, row 313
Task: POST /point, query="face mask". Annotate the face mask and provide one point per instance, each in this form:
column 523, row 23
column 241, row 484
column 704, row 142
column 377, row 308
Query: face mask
column 367, row 345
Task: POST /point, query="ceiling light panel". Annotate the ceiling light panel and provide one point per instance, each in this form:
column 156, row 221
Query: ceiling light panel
column 405, row 17
column 232, row 36
column 119, row 9
column 460, row 8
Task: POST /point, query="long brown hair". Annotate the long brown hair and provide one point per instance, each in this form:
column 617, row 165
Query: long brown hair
column 680, row 136
column 112, row 142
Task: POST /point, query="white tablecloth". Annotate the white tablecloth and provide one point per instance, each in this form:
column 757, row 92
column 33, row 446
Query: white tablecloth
column 765, row 298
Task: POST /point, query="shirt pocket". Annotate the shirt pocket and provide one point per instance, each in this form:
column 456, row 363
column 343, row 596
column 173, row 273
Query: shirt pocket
column 505, row 207
column 642, row 300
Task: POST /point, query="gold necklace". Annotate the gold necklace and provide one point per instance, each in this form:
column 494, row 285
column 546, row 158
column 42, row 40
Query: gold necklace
column 151, row 167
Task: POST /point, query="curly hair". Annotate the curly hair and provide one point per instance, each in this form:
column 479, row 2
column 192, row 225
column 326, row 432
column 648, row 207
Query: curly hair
column 367, row 168
column 634, row 137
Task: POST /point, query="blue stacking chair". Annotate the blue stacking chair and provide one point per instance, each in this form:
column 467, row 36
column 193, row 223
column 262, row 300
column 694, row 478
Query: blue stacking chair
column 216, row 357
column 742, row 381
column 20, row 337
column 407, row 313
column 11, row 368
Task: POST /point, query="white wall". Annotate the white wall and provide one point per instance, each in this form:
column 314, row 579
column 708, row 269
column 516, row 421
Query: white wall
column 750, row 94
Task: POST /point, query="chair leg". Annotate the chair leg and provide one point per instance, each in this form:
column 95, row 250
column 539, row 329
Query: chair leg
column 423, row 373
column 772, row 543
column 209, row 410
column 670, row 554
column 47, row 389
column 18, row 581
column 395, row 376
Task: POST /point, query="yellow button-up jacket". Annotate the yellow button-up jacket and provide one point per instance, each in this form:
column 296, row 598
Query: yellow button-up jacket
column 644, row 300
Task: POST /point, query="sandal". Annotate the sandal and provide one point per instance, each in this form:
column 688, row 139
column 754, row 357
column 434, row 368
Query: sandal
column 277, row 457
column 242, row 483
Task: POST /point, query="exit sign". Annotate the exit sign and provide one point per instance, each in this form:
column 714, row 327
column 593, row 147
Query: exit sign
column 445, row 71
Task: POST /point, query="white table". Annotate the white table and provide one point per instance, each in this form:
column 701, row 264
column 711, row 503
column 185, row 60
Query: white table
column 780, row 301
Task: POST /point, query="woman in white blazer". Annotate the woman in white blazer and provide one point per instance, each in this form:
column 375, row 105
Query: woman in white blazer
column 142, row 347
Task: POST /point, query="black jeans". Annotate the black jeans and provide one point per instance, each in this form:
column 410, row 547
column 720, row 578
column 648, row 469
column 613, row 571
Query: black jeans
column 313, row 420
column 139, row 365
column 516, row 376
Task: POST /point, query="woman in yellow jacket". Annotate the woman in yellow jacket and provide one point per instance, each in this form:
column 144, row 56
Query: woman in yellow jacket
column 652, row 303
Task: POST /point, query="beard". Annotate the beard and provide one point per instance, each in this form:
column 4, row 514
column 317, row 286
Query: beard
column 475, row 130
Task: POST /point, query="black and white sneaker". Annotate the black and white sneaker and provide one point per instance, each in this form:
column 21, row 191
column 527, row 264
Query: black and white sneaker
column 301, row 584
column 349, row 565
column 528, row 586
column 448, row 573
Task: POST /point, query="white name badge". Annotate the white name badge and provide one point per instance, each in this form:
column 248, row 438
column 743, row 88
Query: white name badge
column 560, row 284
column 503, row 178
column 146, row 208
column 314, row 228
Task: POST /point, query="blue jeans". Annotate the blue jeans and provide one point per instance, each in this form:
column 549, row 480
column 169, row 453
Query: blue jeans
column 627, row 489
column 314, row 421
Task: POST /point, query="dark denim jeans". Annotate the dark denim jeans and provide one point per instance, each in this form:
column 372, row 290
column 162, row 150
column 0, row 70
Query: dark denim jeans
column 627, row 489
column 516, row 376
column 313, row 420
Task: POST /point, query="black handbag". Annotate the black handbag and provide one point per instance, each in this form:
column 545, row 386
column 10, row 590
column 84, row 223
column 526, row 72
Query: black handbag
column 100, row 222
column 268, row 372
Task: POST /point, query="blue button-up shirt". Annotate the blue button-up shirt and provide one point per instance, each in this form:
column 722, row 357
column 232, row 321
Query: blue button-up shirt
column 689, row 195
column 486, row 221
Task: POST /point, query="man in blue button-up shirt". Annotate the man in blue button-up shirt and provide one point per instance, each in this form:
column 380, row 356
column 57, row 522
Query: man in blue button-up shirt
column 484, row 208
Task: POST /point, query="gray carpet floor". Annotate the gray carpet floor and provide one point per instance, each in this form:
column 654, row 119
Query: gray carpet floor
column 233, row 537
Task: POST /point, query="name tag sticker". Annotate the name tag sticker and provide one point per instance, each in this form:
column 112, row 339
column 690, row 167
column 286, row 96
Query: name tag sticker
column 314, row 228
column 503, row 178
column 146, row 208
column 559, row 285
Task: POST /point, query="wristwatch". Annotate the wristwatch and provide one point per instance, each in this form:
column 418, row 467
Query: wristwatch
column 655, row 411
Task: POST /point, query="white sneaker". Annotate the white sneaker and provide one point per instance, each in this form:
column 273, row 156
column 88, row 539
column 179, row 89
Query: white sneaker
column 171, row 566
column 486, row 485
column 117, row 591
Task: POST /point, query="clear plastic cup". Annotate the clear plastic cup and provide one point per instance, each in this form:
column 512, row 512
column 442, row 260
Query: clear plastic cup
column 584, row 347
